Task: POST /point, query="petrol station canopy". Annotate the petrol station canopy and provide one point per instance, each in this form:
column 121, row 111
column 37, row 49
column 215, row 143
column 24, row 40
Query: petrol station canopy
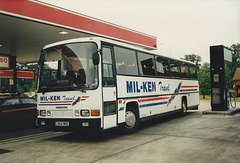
column 27, row 25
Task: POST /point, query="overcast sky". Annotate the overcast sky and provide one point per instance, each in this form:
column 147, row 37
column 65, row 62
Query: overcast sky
column 181, row 26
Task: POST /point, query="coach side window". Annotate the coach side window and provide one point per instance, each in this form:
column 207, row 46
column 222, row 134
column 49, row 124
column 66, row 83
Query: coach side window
column 184, row 70
column 145, row 62
column 108, row 77
column 192, row 69
column 174, row 68
column 162, row 66
column 126, row 61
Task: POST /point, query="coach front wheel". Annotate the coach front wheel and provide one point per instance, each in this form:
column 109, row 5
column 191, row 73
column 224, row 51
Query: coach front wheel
column 131, row 121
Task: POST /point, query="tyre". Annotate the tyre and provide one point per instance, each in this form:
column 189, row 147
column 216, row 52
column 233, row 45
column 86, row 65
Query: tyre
column 131, row 121
column 184, row 107
column 36, row 123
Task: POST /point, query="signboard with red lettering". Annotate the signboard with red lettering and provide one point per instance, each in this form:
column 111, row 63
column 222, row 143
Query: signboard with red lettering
column 4, row 62
column 20, row 74
column 25, row 74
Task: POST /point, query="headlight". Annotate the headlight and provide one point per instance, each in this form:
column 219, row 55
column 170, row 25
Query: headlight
column 43, row 113
column 77, row 113
column 48, row 113
column 85, row 113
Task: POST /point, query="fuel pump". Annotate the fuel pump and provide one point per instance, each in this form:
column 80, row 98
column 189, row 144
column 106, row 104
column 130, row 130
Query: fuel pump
column 219, row 56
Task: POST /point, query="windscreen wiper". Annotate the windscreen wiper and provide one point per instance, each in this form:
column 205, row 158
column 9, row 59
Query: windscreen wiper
column 83, row 90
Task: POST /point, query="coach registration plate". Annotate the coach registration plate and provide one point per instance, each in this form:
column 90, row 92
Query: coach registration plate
column 57, row 123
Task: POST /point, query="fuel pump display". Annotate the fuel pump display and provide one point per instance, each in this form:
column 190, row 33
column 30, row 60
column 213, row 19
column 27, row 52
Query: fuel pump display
column 219, row 56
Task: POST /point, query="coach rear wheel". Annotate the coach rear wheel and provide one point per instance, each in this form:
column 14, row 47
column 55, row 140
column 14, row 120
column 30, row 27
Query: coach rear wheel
column 131, row 121
column 184, row 107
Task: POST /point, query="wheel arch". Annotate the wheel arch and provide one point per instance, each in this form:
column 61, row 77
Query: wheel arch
column 184, row 98
column 184, row 106
column 128, row 127
column 133, row 105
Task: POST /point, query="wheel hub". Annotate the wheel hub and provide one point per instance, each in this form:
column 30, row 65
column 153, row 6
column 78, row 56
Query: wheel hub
column 130, row 119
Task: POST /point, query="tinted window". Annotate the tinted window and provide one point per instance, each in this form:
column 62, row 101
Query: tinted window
column 162, row 66
column 184, row 70
column 174, row 68
column 108, row 78
column 11, row 102
column 126, row 62
column 145, row 62
column 109, row 108
column 28, row 101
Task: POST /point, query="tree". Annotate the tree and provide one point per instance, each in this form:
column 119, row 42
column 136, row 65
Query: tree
column 230, row 68
column 204, row 71
column 204, row 79
column 193, row 58
column 27, row 85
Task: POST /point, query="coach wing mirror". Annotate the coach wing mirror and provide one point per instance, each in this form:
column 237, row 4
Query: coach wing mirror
column 49, row 55
column 53, row 55
column 95, row 58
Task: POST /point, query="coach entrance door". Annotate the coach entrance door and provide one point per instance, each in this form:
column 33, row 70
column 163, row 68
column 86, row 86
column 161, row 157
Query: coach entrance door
column 109, row 88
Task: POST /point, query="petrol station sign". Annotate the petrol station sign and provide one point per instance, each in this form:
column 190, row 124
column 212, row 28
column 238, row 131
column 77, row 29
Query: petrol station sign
column 20, row 74
column 227, row 55
column 4, row 62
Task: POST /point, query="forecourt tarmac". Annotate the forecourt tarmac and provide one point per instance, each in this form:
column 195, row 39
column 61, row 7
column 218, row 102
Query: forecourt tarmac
column 194, row 138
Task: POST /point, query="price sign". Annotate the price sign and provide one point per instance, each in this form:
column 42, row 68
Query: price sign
column 4, row 62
